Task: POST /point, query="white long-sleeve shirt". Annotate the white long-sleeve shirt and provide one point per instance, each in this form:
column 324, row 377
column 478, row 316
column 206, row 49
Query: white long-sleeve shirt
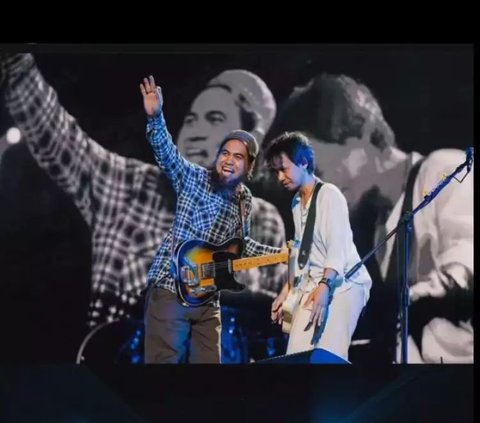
column 332, row 244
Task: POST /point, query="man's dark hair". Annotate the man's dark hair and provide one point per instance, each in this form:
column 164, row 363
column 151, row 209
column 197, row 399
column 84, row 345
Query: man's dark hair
column 297, row 148
column 332, row 108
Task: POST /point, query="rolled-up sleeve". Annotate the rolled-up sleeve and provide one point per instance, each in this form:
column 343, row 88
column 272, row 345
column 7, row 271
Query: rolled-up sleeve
column 335, row 226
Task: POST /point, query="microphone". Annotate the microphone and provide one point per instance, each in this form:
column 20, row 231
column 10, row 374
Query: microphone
column 469, row 154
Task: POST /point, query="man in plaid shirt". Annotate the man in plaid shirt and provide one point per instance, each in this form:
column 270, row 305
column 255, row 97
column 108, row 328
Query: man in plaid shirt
column 208, row 208
column 123, row 200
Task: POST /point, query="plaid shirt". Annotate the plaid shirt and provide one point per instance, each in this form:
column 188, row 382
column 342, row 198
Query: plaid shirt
column 124, row 201
column 202, row 211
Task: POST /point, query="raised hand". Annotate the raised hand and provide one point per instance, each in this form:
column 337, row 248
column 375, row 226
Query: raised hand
column 152, row 96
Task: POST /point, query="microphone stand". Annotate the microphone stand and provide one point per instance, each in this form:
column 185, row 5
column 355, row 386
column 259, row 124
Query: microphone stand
column 406, row 222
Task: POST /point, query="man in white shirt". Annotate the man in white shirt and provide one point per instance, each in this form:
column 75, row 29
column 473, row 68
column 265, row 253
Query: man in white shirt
column 326, row 305
column 343, row 120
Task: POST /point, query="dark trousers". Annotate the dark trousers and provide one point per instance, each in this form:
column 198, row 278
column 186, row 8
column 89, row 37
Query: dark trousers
column 178, row 334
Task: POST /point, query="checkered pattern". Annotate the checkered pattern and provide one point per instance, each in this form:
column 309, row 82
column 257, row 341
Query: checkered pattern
column 123, row 200
column 202, row 211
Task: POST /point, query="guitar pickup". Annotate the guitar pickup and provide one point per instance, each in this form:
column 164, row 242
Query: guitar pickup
column 204, row 289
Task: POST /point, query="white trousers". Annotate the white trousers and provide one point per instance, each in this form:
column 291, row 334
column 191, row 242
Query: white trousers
column 336, row 332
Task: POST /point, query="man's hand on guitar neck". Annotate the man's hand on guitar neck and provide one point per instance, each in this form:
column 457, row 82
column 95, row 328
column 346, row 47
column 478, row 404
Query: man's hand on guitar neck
column 440, row 283
column 277, row 312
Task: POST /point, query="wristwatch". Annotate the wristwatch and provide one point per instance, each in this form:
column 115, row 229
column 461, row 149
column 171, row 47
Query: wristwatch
column 328, row 282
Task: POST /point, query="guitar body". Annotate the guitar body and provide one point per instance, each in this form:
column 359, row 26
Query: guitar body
column 203, row 268
column 292, row 301
column 288, row 309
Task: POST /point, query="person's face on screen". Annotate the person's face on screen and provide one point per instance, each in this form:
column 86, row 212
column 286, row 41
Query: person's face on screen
column 352, row 166
column 212, row 116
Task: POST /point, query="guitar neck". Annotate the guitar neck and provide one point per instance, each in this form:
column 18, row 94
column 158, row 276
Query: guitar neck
column 251, row 262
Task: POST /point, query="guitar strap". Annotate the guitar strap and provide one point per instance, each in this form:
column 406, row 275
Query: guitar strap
column 307, row 237
column 399, row 245
column 241, row 204
column 294, row 296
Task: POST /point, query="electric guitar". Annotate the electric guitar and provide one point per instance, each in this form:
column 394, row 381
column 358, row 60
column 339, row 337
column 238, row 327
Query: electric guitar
column 294, row 295
column 201, row 269
column 289, row 306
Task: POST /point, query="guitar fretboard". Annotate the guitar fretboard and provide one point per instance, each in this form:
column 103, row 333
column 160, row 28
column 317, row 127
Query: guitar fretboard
column 251, row 262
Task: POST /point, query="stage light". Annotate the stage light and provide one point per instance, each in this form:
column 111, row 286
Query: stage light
column 13, row 135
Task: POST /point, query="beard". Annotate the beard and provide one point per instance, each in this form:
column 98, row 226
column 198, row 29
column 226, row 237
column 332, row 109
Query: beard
column 221, row 184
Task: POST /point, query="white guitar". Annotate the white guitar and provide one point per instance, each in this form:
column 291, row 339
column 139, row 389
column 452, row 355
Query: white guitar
column 294, row 295
column 289, row 306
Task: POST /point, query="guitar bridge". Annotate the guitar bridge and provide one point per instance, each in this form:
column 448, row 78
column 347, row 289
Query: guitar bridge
column 204, row 289
column 188, row 276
